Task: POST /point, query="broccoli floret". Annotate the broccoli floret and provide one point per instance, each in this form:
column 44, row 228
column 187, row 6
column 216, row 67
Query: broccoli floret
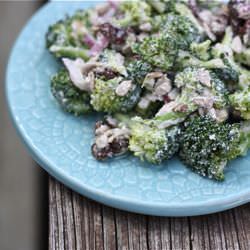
column 207, row 146
column 181, row 29
column 158, row 51
column 185, row 59
column 240, row 100
column 113, row 60
column 228, row 74
column 134, row 13
column 115, row 95
column 63, row 39
column 163, row 6
column 243, row 57
column 71, row 99
column 137, row 70
column 201, row 50
column 149, row 141
column 233, row 71
column 184, row 10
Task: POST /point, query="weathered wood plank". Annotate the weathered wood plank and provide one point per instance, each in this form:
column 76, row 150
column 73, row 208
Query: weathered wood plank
column 79, row 223
column 180, row 233
column 242, row 221
column 109, row 228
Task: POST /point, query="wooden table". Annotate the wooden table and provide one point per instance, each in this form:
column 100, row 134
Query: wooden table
column 76, row 222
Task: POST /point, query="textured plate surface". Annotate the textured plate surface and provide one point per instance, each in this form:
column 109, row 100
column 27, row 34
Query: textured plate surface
column 61, row 143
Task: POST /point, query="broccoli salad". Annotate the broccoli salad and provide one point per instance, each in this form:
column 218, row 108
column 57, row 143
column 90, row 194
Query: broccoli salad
column 171, row 77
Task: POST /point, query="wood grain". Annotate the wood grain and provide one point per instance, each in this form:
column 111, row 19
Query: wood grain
column 76, row 222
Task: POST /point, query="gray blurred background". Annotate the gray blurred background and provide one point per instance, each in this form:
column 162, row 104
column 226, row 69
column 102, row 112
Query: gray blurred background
column 23, row 184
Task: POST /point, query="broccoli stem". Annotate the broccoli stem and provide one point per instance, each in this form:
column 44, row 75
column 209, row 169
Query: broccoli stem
column 69, row 51
column 228, row 37
column 185, row 59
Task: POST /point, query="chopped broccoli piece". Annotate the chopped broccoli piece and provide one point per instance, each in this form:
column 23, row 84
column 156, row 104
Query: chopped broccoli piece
column 243, row 57
column 207, row 146
column 182, row 30
column 228, row 74
column 233, row 71
column 240, row 100
column 137, row 70
column 185, row 59
column 150, row 142
column 184, row 10
column 63, row 39
column 69, row 52
column 158, row 51
column 163, row 6
column 134, row 13
column 114, row 61
column 115, row 95
column 71, row 99
column 201, row 50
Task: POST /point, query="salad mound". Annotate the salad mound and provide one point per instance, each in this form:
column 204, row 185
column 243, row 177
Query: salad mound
column 171, row 77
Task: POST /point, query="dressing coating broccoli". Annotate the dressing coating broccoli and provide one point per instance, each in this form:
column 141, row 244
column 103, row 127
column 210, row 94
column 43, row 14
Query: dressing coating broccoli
column 163, row 6
column 186, row 59
column 113, row 60
column 181, row 29
column 150, row 142
column 133, row 13
column 70, row 98
column 243, row 57
column 201, row 50
column 115, row 95
column 65, row 38
column 158, row 51
column 234, row 72
column 240, row 100
column 207, row 146
column 137, row 70
column 184, row 10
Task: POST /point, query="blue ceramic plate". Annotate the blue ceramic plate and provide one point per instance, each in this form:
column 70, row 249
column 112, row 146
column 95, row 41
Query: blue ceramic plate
column 61, row 143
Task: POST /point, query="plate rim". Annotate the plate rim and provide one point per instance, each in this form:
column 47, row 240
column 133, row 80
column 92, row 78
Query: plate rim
column 128, row 204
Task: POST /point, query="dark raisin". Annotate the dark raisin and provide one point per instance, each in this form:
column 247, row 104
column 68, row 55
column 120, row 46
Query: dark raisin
column 101, row 154
column 115, row 35
column 106, row 74
column 119, row 145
